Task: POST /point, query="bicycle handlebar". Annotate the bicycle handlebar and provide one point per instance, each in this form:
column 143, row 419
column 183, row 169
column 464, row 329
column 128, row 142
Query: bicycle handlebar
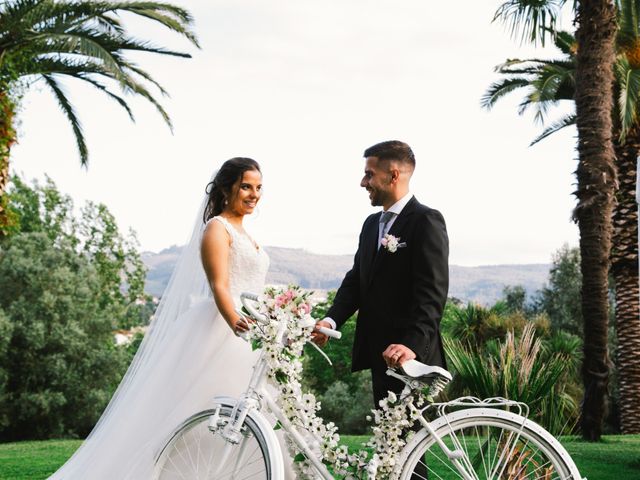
column 329, row 332
column 246, row 297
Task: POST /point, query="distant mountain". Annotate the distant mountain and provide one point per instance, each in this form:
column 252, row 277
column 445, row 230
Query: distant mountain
column 482, row 284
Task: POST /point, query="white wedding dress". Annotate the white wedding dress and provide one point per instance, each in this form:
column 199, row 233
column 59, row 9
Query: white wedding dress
column 188, row 361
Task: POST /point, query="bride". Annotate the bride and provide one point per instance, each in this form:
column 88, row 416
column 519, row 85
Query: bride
column 191, row 352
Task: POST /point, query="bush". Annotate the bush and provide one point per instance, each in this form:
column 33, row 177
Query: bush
column 518, row 369
column 346, row 407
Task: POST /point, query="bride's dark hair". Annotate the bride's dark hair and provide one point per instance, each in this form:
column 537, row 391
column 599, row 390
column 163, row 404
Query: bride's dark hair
column 219, row 190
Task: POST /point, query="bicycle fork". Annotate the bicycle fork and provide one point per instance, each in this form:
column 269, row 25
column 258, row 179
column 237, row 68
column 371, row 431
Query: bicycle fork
column 232, row 434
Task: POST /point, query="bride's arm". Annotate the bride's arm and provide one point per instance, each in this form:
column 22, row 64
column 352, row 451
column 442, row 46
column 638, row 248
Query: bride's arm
column 215, row 246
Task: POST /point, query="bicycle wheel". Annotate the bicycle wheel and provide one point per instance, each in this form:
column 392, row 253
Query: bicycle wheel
column 194, row 452
column 495, row 445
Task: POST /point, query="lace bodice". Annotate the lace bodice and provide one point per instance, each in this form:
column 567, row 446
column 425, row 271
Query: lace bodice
column 248, row 263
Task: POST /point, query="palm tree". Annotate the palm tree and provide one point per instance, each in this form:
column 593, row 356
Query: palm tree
column 596, row 173
column 49, row 40
column 549, row 83
column 624, row 256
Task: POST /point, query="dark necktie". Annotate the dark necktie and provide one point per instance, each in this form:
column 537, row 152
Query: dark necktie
column 384, row 220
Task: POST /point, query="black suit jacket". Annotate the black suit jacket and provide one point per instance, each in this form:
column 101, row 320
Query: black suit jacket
column 399, row 296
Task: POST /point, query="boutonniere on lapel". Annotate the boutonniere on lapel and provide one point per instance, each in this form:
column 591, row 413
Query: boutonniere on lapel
column 391, row 243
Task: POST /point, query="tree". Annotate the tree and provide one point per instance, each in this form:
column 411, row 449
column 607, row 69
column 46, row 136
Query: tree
column 59, row 362
column 624, row 255
column 515, row 298
column 66, row 283
column 551, row 82
column 48, row 40
column 560, row 298
column 94, row 235
column 596, row 173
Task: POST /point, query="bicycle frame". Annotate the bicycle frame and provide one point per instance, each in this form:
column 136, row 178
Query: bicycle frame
column 257, row 393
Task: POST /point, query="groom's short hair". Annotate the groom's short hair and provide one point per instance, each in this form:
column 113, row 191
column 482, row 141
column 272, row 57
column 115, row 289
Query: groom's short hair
column 392, row 150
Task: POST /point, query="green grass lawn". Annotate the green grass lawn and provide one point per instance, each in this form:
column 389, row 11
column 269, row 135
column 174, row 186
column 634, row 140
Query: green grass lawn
column 615, row 458
column 34, row 460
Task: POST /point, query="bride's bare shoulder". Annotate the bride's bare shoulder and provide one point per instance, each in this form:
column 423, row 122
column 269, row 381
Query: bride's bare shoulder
column 215, row 232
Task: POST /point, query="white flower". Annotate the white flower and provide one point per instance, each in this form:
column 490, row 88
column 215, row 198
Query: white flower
column 390, row 242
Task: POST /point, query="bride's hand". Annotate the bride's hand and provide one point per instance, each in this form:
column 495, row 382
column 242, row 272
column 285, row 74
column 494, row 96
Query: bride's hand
column 241, row 326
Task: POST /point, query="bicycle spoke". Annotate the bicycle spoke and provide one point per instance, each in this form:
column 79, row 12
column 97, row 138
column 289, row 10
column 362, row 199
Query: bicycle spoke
column 480, row 447
column 465, row 461
column 443, row 459
column 505, row 447
column 195, row 453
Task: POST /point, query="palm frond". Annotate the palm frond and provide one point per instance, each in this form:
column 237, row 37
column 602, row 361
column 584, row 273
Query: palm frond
column 545, row 89
column 554, row 127
column 147, row 47
column 566, row 42
column 80, row 45
column 532, row 20
column 130, row 67
column 130, row 85
column 106, row 91
column 110, row 25
column 629, row 94
column 627, row 21
column 499, row 89
column 69, row 111
column 169, row 22
column 532, row 66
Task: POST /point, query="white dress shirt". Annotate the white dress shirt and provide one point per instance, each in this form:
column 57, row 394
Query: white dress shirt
column 396, row 208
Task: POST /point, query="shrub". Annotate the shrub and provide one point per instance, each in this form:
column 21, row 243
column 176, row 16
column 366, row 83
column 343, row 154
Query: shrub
column 517, row 369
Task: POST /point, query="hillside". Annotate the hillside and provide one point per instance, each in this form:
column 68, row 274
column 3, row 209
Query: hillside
column 481, row 284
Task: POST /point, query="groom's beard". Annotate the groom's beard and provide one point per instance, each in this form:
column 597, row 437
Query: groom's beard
column 375, row 198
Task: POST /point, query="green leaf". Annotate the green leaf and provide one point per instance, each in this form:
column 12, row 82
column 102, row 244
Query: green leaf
column 299, row 457
column 256, row 344
column 277, row 426
column 282, row 377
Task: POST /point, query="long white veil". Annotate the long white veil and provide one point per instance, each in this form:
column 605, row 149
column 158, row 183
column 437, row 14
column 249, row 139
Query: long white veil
column 188, row 284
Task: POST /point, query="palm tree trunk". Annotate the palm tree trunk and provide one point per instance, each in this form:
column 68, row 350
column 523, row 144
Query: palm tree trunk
column 596, row 185
column 624, row 265
column 7, row 139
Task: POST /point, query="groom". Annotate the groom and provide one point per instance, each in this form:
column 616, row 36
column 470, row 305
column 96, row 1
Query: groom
column 400, row 276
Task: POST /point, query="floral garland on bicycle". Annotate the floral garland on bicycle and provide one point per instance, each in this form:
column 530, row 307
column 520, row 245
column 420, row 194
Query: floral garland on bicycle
column 391, row 420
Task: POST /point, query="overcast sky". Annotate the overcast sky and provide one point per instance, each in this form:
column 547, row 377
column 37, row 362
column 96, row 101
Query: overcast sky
column 304, row 86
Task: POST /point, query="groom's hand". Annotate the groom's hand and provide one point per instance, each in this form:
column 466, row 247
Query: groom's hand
column 320, row 339
column 396, row 354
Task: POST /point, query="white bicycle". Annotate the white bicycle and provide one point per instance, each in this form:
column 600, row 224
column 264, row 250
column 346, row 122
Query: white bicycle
column 468, row 439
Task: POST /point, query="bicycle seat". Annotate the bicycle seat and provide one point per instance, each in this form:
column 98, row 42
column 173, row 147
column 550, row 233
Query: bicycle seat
column 420, row 371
